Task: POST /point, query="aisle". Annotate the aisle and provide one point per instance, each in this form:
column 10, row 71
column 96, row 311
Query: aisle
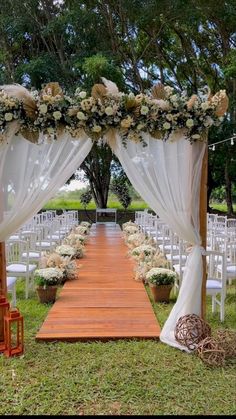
column 105, row 302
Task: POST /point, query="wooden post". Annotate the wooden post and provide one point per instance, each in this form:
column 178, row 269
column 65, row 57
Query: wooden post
column 3, row 282
column 203, row 226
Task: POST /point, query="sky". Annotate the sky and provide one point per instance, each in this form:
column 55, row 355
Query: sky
column 73, row 185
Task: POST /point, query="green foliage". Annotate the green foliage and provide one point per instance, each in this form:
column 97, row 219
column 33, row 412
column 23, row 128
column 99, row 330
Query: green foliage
column 86, row 197
column 121, row 190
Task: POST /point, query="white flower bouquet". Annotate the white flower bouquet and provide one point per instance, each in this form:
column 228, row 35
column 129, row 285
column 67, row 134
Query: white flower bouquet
column 82, row 230
column 46, row 277
column 85, row 224
column 65, row 250
column 143, row 251
column 160, row 276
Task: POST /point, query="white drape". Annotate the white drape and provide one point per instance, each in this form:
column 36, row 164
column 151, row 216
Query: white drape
column 167, row 176
column 31, row 174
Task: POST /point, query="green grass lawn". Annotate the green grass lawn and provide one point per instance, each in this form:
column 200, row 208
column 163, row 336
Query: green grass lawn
column 58, row 203
column 62, row 203
column 126, row 377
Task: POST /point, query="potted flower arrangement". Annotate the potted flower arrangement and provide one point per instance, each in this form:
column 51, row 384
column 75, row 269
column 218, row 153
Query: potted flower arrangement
column 65, row 250
column 48, row 280
column 161, row 281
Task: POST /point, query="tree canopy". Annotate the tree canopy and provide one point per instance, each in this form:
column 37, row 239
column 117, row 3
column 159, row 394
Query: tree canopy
column 187, row 44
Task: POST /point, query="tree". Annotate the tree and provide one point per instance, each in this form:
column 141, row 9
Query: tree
column 188, row 44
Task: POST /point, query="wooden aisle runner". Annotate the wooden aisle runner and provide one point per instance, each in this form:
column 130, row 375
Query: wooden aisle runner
column 105, row 302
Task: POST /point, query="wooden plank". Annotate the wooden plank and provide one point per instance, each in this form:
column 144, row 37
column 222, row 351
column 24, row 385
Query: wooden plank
column 203, row 227
column 104, row 302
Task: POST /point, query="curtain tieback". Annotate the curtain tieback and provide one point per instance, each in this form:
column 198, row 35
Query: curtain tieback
column 201, row 248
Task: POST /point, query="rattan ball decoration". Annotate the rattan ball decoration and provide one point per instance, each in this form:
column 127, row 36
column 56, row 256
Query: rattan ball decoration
column 190, row 330
column 227, row 341
column 210, row 352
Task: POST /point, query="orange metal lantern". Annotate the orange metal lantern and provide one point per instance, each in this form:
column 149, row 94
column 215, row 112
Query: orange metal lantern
column 14, row 333
column 4, row 307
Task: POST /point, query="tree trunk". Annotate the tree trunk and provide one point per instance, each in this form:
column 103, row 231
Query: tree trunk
column 97, row 167
column 228, row 188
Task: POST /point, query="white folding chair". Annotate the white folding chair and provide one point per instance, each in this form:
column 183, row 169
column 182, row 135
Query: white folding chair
column 216, row 280
column 16, row 266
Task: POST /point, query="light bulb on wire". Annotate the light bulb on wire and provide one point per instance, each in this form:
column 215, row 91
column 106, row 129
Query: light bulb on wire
column 213, row 147
column 232, row 141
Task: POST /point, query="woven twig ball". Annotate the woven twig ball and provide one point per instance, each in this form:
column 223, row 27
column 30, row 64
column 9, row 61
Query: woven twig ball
column 227, row 340
column 190, row 330
column 210, row 352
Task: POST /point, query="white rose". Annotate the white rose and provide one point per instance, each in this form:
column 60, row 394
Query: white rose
column 96, row 128
column 82, row 94
column 109, row 110
column 166, row 125
column 189, row 123
column 43, row 108
column 8, row 116
column 205, row 105
column 144, row 110
column 80, row 115
column 208, row 122
column 57, row 115
column 50, row 130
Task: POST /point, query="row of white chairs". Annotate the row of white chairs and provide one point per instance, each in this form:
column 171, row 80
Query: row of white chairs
column 221, row 254
column 24, row 248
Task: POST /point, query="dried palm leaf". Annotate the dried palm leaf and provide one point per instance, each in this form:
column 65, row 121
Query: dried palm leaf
column 157, row 134
column 158, row 91
column 52, row 89
column 31, row 136
column 191, row 101
column 99, row 91
column 110, row 86
column 131, row 103
column 22, row 94
column 223, row 106
column 72, row 111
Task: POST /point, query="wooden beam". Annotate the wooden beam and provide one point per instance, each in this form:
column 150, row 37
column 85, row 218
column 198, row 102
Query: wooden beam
column 203, row 227
column 3, row 284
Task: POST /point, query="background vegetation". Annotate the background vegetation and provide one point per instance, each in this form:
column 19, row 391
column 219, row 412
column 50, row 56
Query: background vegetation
column 187, row 44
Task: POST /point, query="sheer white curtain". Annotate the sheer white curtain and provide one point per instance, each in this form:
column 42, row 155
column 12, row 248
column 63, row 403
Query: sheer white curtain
column 30, row 175
column 167, row 176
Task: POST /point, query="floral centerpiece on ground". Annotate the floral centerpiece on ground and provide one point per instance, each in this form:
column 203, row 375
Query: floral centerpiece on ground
column 142, row 251
column 135, row 240
column 75, row 241
column 54, row 260
column 85, row 224
column 46, row 277
column 130, row 229
column 144, row 265
column 81, row 229
column 160, row 276
column 161, row 281
column 75, row 237
column 66, row 250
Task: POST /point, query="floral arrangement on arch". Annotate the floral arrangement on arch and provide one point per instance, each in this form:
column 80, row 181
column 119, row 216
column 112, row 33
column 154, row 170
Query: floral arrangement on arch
column 159, row 112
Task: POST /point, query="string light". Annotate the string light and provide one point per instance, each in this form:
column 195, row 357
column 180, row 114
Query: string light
column 231, row 139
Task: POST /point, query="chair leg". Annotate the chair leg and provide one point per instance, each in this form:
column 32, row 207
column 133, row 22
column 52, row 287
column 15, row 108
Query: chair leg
column 213, row 303
column 14, row 295
column 27, row 287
